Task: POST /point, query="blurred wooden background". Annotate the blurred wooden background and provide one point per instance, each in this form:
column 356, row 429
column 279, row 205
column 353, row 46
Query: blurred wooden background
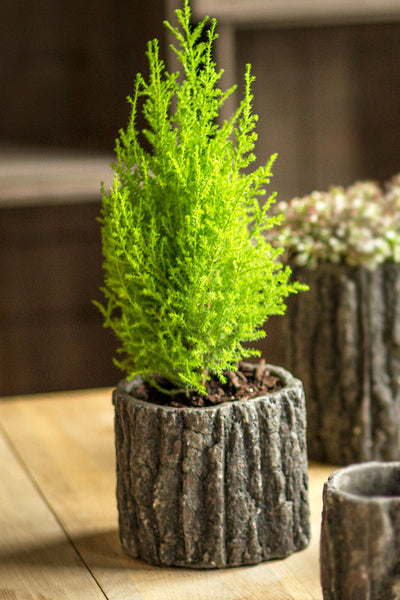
column 327, row 95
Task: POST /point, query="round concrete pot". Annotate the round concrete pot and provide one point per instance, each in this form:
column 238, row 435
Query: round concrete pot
column 213, row 487
column 360, row 537
column 342, row 339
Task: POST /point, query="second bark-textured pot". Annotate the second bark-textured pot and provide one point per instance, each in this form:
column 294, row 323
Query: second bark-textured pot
column 213, row 487
column 342, row 339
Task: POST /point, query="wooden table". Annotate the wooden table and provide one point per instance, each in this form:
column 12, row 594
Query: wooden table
column 58, row 518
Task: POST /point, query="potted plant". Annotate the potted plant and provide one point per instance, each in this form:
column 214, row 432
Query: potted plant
column 344, row 340
column 211, row 456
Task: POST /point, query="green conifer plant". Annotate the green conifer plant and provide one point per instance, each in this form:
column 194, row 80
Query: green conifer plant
column 189, row 275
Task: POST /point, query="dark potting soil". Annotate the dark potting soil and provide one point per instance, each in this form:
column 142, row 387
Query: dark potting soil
column 243, row 384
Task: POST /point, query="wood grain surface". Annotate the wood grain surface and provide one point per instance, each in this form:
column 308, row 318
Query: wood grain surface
column 58, row 518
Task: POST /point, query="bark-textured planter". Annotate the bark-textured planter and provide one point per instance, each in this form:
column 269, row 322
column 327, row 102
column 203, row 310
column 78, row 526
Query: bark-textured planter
column 342, row 339
column 360, row 541
column 213, row 487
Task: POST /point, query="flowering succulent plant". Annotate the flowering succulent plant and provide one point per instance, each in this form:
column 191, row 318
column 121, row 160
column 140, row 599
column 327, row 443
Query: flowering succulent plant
column 357, row 225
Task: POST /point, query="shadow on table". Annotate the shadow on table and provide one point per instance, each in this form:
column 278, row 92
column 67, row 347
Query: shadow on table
column 101, row 550
column 98, row 550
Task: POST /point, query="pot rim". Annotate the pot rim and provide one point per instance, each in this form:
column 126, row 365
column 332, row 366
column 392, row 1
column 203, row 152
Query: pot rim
column 342, row 476
column 289, row 383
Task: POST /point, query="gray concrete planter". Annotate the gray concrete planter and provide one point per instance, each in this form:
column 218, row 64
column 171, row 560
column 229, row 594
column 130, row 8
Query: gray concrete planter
column 342, row 339
column 213, row 487
column 360, row 542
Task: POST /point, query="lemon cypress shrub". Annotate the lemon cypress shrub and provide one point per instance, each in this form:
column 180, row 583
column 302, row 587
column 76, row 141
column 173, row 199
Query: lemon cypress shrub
column 189, row 275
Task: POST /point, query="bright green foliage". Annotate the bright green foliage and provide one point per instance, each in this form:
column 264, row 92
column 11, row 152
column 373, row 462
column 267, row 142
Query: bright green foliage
column 189, row 276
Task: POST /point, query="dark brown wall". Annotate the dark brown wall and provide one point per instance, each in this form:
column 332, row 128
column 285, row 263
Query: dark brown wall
column 50, row 270
column 66, row 67
column 328, row 99
column 377, row 64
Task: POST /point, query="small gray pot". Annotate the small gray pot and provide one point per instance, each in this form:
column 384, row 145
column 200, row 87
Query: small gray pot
column 213, row 487
column 360, row 536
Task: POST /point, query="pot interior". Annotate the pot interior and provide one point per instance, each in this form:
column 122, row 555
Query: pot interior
column 371, row 480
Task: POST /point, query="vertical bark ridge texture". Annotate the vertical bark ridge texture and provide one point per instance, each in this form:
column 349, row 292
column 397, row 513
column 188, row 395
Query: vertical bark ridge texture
column 360, row 536
column 213, row 487
column 342, row 339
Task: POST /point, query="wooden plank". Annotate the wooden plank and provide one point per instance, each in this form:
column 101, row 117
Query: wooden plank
column 67, row 443
column 329, row 110
column 50, row 270
column 280, row 92
column 297, row 11
column 376, row 68
column 37, row 561
column 34, row 177
column 307, row 98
